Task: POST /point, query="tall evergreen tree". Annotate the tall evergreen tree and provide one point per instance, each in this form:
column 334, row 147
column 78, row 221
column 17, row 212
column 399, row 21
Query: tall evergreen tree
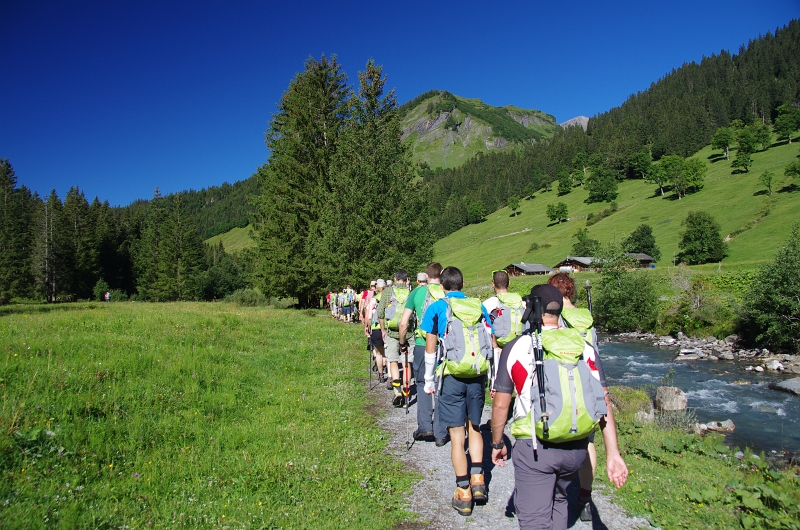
column 16, row 214
column 376, row 216
column 79, row 250
column 48, row 263
column 302, row 139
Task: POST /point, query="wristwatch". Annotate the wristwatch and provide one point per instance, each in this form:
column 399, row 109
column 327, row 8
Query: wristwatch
column 498, row 446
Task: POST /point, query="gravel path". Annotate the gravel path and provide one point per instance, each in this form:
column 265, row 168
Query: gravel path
column 430, row 497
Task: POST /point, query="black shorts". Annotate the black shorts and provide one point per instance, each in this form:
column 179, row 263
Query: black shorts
column 377, row 337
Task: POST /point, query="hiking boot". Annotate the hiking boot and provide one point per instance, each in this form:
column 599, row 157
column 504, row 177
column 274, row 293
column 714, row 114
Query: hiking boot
column 478, row 486
column 420, row 435
column 462, row 501
column 397, row 401
column 586, row 512
column 441, row 442
column 388, row 383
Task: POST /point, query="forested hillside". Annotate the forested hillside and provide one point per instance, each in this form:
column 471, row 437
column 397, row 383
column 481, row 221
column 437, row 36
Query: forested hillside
column 677, row 115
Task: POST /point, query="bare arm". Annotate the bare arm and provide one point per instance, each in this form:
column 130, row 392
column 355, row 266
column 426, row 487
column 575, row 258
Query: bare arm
column 404, row 322
column 615, row 465
column 500, row 404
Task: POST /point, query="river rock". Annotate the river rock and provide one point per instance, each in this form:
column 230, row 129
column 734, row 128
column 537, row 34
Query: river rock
column 789, row 385
column 774, row 364
column 670, row 398
column 759, row 368
column 732, row 339
column 726, row 355
column 718, row 426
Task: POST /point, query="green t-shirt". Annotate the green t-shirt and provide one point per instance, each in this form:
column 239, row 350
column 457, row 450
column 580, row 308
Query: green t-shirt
column 415, row 302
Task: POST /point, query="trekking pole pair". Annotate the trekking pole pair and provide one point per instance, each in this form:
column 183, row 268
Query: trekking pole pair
column 533, row 315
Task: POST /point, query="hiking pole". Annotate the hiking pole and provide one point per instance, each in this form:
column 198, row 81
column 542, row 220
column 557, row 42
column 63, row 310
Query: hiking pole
column 589, row 295
column 536, row 343
column 407, row 397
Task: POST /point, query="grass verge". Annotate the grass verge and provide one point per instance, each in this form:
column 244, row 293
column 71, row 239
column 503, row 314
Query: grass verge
column 144, row 415
column 687, row 481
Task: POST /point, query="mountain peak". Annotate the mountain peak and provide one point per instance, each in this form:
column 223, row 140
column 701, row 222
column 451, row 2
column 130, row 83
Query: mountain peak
column 583, row 121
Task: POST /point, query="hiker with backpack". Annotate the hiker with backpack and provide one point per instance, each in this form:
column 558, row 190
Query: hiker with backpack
column 459, row 333
column 390, row 312
column 506, row 310
column 582, row 320
column 551, row 427
column 428, row 291
column 372, row 328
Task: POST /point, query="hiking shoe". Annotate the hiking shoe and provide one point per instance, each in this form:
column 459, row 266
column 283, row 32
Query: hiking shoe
column 462, row 501
column 586, row 512
column 420, row 436
column 397, row 401
column 388, row 383
column 441, row 442
column 478, row 485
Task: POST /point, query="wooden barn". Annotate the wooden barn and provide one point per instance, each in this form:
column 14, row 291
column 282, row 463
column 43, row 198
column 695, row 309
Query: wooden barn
column 574, row 264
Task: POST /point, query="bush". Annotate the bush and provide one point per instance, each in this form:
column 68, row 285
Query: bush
column 118, row 295
column 626, row 300
column 699, row 310
column 701, row 242
column 771, row 312
column 248, row 298
column 100, row 289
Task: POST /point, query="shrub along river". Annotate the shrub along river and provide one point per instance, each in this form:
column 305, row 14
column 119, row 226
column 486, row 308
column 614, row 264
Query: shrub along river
column 717, row 390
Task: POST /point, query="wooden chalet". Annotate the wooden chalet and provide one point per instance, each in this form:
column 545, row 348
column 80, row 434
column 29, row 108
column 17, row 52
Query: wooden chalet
column 524, row 269
column 644, row 261
column 574, row 264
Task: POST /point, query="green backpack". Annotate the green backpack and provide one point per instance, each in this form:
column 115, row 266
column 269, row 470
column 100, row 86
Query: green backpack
column 582, row 320
column 507, row 318
column 467, row 348
column 575, row 400
column 394, row 309
column 434, row 292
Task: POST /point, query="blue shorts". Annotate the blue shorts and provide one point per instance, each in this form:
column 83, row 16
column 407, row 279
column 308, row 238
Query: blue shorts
column 347, row 310
column 461, row 399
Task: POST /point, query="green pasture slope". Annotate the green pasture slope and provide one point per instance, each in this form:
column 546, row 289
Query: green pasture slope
column 131, row 415
column 233, row 240
column 735, row 201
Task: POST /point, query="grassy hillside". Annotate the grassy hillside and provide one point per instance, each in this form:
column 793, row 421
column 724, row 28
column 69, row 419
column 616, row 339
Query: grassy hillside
column 446, row 130
column 233, row 240
column 735, row 201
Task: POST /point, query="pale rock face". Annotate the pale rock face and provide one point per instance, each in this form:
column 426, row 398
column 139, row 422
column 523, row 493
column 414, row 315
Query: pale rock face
column 582, row 121
column 670, row 398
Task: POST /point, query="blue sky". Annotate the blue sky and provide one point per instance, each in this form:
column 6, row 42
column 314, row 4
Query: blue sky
column 118, row 97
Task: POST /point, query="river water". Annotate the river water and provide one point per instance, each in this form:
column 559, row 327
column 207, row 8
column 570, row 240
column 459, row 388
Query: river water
column 717, row 390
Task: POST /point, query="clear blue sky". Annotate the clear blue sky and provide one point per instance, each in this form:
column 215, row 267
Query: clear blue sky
column 118, row 97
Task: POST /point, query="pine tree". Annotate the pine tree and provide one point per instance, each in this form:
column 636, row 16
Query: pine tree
column 376, row 215
column 16, row 214
column 79, row 249
column 48, row 269
column 295, row 184
column 642, row 240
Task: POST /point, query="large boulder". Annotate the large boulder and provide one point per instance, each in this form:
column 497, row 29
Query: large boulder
column 789, row 385
column 670, row 398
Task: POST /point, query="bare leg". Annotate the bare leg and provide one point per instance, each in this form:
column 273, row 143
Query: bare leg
column 457, row 454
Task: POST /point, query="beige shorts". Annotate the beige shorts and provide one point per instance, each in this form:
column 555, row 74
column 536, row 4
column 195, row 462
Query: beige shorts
column 392, row 351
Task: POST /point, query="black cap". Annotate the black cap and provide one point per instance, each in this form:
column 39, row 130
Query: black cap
column 552, row 299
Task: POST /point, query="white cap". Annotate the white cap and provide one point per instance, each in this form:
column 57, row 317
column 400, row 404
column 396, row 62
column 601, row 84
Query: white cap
column 390, row 282
column 422, row 277
column 380, row 284
column 372, row 283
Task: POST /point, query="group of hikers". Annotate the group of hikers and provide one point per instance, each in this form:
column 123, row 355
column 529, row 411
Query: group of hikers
column 537, row 355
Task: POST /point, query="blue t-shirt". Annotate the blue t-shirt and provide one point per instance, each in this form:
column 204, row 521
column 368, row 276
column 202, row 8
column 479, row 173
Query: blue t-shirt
column 435, row 318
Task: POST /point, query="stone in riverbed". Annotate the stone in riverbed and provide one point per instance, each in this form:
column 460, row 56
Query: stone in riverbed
column 774, row 365
column 670, row 398
column 789, row 385
column 759, row 368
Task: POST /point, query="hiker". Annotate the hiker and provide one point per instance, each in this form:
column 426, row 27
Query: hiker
column 428, row 290
column 390, row 312
column 582, row 320
column 463, row 325
column 366, row 298
column 543, row 467
column 505, row 310
column 372, row 328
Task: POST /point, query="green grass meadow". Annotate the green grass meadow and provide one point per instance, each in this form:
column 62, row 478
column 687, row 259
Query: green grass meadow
column 130, row 415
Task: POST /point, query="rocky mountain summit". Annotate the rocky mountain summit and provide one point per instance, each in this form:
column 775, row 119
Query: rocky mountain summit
column 582, row 121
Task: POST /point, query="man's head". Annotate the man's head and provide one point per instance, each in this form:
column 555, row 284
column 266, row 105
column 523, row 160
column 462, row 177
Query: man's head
column 434, row 271
column 422, row 278
column 551, row 302
column 380, row 284
column 400, row 276
column 452, row 279
column 500, row 280
column 564, row 283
